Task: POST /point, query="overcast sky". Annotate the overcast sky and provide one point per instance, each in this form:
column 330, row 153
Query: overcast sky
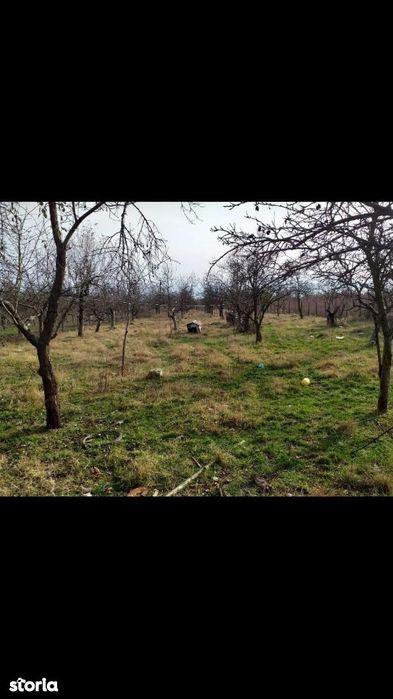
column 194, row 246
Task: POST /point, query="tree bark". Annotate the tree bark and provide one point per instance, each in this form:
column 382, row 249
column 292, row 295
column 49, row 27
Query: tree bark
column 300, row 307
column 98, row 325
column 384, row 380
column 331, row 318
column 378, row 346
column 258, row 334
column 246, row 324
column 383, row 323
column 49, row 383
column 81, row 312
column 374, row 340
column 123, row 354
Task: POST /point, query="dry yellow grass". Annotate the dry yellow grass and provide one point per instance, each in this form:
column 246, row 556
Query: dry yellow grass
column 277, row 385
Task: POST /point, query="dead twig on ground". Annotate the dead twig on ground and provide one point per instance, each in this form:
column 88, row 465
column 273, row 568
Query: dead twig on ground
column 367, row 444
column 89, row 437
column 188, row 480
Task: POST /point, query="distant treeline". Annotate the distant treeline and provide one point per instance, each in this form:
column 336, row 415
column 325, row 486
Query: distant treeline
column 316, row 305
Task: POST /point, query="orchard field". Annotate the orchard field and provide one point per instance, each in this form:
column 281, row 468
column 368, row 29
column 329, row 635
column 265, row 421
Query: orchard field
column 262, row 430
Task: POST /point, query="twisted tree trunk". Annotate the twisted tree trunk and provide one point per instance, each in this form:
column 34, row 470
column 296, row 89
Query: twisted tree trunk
column 49, row 383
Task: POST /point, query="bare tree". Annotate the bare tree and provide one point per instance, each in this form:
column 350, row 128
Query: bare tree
column 60, row 221
column 334, row 301
column 98, row 307
column 234, row 280
column 214, row 294
column 319, row 233
column 185, row 294
column 301, row 287
column 268, row 283
column 167, row 286
column 86, row 266
column 132, row 275
column 257, row 281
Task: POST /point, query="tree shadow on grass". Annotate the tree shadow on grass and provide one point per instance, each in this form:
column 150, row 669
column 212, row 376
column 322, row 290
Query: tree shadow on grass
column 12, row 437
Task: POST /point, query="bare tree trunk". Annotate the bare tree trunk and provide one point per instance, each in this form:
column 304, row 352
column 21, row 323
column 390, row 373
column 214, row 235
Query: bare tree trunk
column 299, row 306
column 258, row 333
column 378, row 346
column 98, row 325
column 221, row 310
column 112, row 314
column 172, row 316
column 123, row 354
column 243, row 322
column 383, row 323
column 49, row 383
column 331, row 318
column 81, row 312
column 374, row 340
column 384, row 380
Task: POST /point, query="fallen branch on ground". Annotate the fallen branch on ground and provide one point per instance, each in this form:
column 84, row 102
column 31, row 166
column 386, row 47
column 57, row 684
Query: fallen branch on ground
column 191, row 478
column 373, row 440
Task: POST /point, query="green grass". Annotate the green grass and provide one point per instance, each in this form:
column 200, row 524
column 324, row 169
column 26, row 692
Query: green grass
column 212, row 403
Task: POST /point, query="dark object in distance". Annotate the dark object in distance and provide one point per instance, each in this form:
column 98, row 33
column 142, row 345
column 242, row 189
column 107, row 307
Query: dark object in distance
column 194, row 327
